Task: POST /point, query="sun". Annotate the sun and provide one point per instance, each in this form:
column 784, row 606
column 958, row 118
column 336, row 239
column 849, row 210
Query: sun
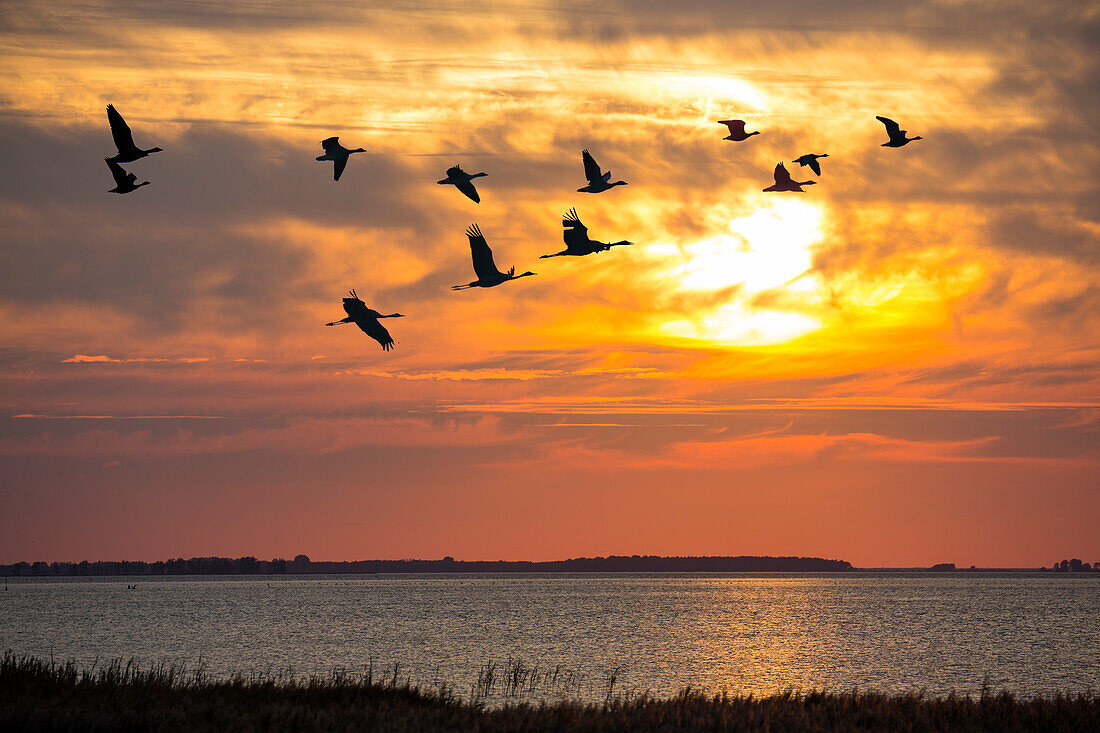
column 767, row 253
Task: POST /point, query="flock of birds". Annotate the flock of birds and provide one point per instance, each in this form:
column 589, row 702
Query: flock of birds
column 577, row 241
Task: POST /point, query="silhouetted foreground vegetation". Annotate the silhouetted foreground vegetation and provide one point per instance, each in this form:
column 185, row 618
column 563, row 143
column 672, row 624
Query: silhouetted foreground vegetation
column 43, row 695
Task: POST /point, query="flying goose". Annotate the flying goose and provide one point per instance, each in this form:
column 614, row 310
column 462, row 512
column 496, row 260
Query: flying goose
column 367, row 320
column 576, row 238
column 124, row 139
column 737, row 130
column 124, row 182
column 810, row 159
column 338, row 154
column 784, row 182
column 486, row 270
column 897, row 135
column 597, row 182
column 463, row 181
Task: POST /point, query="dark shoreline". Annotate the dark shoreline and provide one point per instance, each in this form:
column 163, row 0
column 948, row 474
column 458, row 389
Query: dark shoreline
column 610, row 564
column 43, row 695
column 302, row 564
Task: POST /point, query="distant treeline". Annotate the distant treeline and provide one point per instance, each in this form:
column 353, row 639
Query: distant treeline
column 611, row 564
column 194, row 566
column 1074, row 566
column 302, row 564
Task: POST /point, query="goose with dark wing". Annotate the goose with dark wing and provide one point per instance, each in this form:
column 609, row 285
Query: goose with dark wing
column 124, row 182
column 737, row 130
column 577, row 243
column 784, row 182
column 897, row 135
column 463, row 181
column 338, row 154
column 486, row 270
column 124, row 139
column 367, row 320
column 810, row 159
column 598, row 182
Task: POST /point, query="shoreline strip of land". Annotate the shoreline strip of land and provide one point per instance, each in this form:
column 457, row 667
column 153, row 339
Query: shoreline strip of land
column 611, row 564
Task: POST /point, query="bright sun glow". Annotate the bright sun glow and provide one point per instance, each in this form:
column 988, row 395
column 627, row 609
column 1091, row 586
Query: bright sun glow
column 718, row 91
column 768, row 250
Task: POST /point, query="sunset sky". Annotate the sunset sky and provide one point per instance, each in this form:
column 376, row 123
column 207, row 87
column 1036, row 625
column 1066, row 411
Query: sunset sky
column 899, row 367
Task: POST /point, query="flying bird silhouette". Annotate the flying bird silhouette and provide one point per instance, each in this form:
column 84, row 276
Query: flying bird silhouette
column 597, row 182
column 124, row 182
column 784, row 182
column 463, row 181
column 367, row 320
column 737, row 130
column 338, row 154
column 486, row 270
column 576, row 238
column 897, row 135
column 124, row 139
column 810, row 159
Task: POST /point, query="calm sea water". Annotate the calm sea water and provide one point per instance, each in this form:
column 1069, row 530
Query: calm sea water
column 742, row 632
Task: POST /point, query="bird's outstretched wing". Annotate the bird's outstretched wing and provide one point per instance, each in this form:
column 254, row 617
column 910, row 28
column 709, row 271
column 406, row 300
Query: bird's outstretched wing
column 357, row 309
column 467, row 187
column 484, row 267
column 571, row 219
column 591, row 168
column 331, row 145
column 575, row 234
column 120, row 131
column 782, row 177
column 119, row 174
column 338, row 166
column 893, row 129
column 377, row 331
column 735, row 126
column 815, row 166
